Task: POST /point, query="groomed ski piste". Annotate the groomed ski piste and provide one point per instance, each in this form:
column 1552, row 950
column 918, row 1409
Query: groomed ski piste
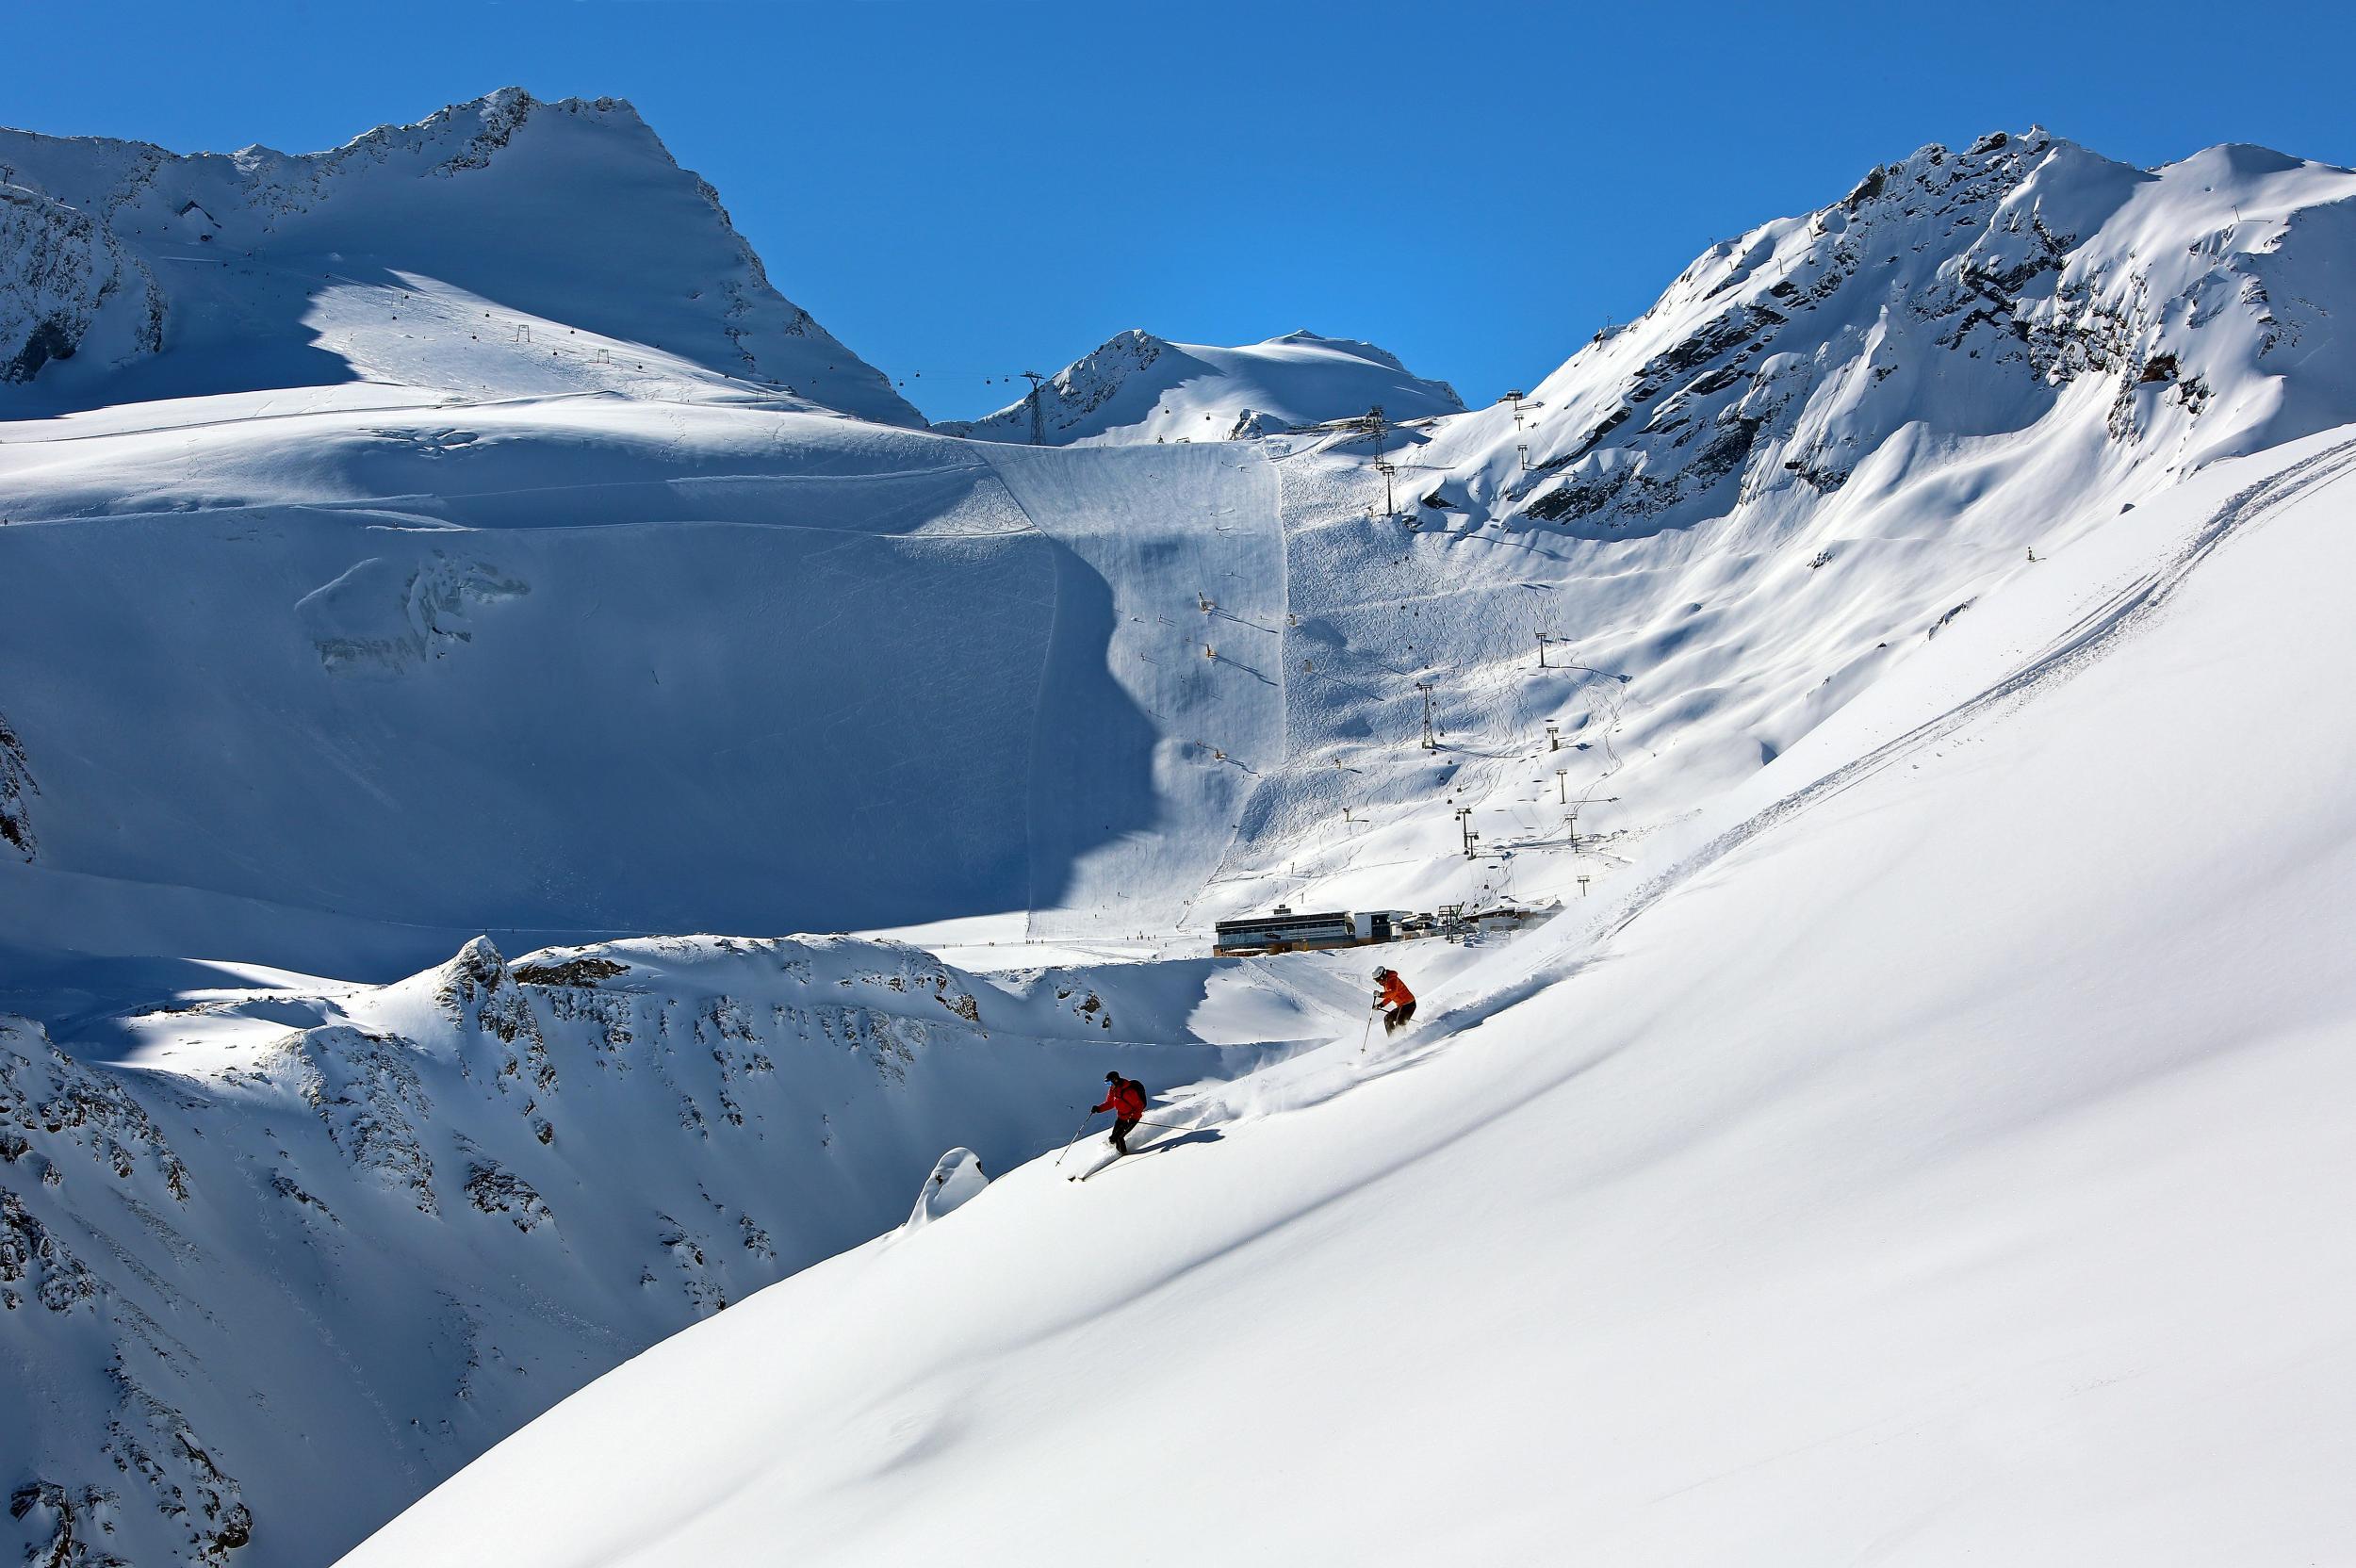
column 1903, row 664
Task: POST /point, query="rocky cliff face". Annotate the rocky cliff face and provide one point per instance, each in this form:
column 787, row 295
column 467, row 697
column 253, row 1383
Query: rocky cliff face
column 67, row 286
column 16, row 792
column 364, row 1232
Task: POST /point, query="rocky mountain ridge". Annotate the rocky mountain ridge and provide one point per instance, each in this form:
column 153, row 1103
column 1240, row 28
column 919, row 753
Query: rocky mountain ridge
column 1964, row 296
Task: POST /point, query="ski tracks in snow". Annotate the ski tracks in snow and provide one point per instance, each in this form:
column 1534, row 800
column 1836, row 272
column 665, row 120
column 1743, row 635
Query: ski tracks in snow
column 2092, row 638
column 2089, row 640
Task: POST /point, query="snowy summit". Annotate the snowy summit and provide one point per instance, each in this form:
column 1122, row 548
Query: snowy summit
column 504, row 245
column 1139, row 388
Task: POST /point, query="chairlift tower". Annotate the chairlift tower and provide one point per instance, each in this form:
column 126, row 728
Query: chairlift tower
column 1427, row 689
column 1039, row 419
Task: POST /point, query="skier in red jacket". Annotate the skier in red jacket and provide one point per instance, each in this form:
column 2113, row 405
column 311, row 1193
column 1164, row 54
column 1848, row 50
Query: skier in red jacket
column 1126, row 1100
column 1393, row 1000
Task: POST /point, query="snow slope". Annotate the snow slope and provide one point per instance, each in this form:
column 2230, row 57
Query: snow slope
column 792, row 672
column 542, row 231
column 1829, row 443
column 1139, row 388
column 284, row 1224
column 1933, row 1165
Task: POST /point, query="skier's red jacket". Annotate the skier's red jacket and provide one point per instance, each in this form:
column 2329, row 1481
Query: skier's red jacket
column 1125, row 1099
column 1395, row 991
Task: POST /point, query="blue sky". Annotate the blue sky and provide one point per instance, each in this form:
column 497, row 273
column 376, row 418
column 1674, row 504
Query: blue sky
column 967, row 190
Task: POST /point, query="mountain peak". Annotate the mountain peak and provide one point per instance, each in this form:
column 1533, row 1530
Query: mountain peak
column 503, row 223
column 1137, row 386
column 1959, row 295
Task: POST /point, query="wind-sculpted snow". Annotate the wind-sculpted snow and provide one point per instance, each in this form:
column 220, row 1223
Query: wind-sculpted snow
column 530, row 232
column 370, row 1245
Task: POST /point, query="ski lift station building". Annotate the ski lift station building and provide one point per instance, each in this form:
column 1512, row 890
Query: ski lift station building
column 1286, row 932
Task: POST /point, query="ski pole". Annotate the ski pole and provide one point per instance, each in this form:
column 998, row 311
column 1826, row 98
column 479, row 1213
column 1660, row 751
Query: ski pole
column 1076, row 1135
column 1366, row 1031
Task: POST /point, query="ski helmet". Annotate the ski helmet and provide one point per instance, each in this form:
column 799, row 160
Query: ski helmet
column 1380, row 970
column 1112, row 1077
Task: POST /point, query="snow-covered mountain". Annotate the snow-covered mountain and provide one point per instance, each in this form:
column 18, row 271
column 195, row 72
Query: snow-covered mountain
column 1139, row 388
column 303, row 1224
column 337, row 678
column 1951, row 307
column 504, row 245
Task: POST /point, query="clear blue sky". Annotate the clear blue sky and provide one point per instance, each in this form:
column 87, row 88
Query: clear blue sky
column 970, row 190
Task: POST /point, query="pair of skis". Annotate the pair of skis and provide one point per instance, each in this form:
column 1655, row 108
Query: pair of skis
column 1102, row 1166
column 1108, row 1163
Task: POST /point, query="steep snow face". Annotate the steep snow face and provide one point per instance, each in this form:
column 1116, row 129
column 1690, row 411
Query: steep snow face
column 276, row 1228
column 1139, row 388
column 1923, row 1166
column 458, row 254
